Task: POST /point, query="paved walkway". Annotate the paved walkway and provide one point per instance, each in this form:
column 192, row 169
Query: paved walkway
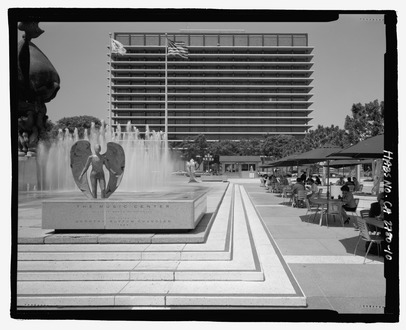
column 322, row 258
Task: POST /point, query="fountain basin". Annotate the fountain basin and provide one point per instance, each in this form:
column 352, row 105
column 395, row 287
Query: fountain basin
column 129, row 211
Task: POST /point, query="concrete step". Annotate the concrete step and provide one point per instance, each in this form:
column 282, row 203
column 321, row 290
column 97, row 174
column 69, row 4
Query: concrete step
column 153, row 261
column 276, row 288
column 217, row 245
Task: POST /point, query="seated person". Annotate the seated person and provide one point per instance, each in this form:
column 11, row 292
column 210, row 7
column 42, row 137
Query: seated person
column 285, row 181
column 262, row 180
column 297, row 187
column 348, row 203
column 376, row 210
column 356, row 184
column 313, row 189
column 317, row 180
column 340, row 181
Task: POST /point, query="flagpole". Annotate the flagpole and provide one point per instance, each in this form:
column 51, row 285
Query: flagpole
column 110, row 90
column 166, row 86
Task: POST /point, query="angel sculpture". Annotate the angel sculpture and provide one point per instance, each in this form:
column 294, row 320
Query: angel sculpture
column 81, row 159
column 191, row 168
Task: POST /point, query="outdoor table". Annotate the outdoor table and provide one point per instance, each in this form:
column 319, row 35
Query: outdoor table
column 319, row 202
column 322, row 202
column 335, row 191
column 374, row 222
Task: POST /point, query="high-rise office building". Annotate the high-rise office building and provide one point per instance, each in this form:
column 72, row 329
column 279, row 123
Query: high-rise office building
column 232, row 86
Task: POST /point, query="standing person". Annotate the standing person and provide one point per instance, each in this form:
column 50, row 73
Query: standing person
column 317, row 180
column 285, row 181
column 348, row 203
column 349, row 182
column 303, row 176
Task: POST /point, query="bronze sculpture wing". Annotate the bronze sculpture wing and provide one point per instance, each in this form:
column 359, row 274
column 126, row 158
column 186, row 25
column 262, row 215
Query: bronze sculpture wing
column 79, row 153
column 115, row 162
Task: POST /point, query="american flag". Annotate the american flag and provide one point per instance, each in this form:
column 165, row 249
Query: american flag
column 177, row 48
column 117, row 47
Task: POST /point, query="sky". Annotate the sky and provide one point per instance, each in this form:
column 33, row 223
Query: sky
column 348, row 61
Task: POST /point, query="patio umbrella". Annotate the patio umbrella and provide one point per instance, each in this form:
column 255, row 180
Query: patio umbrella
column 314, row 156
column 348, row 162
column 368, row 149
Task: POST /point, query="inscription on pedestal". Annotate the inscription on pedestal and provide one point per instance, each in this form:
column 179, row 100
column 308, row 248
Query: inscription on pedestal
column 72, row 215
column 123, row 215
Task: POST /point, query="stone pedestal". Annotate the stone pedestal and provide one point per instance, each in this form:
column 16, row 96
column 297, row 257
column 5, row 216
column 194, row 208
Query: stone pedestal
column 144, row 212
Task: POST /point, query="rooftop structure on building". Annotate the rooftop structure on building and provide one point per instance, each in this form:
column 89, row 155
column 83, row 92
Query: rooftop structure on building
column 232, row 86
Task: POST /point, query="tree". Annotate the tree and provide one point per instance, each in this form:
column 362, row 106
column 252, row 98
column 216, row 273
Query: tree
column 321, row 136
column 194, row 148
column 224, row 148
column 79, row 122
column 367, row 120
column 278, row 146
column 46, row 134
column 249, row 147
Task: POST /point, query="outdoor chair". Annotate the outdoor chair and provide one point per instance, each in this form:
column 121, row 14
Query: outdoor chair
column 351, row 188
column 364, row 235
column 310, row 208
column 301, row 196
column 361, row 186
column 354, row 213
column 364, row 213
column 287, row 193
column 319, row 192
column 332, row 209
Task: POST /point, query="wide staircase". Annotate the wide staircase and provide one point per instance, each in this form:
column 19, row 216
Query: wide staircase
column 238, row 264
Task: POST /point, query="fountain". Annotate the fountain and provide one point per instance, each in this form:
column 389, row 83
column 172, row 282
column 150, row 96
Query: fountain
column 145, row 199
column 148, row 163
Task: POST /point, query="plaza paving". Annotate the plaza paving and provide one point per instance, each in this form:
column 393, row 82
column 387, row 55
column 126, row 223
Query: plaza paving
column 317, row 267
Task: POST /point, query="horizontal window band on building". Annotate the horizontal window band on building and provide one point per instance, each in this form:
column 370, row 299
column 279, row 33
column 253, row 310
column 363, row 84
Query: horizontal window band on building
column 202, row 83
column 154, row 65
column 132, row 59
column 219, row 123
column 223, row 130
column 198, row 92
column 202, row 98
column 225, row 58
column 209, row 70
column 220, row 50
column 211, row 38
column 126, row 117
column 208, row 106
column 208, row 101
column 213, row 112
column 216, row 88
column 234, row 80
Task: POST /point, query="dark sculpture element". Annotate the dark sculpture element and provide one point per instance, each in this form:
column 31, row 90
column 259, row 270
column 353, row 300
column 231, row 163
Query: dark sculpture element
column 38, row 83
column 191, row 169
column 81, row 159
